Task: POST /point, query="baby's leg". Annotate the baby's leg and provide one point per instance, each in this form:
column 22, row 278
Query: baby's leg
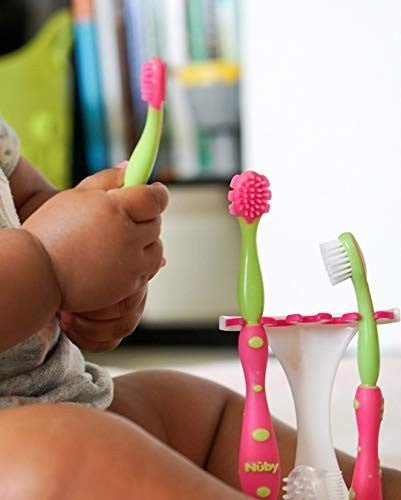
column 202, row 421
column 66, row 452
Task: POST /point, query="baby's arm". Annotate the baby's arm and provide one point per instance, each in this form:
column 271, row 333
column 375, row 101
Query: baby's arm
column 30, row 190
column 29, row 293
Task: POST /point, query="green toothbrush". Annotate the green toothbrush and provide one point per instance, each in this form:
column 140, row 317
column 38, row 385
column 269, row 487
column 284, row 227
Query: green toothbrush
column 343, row 259
column 153, row 91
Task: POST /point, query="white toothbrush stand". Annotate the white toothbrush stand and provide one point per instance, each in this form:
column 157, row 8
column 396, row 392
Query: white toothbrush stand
column 310, row 355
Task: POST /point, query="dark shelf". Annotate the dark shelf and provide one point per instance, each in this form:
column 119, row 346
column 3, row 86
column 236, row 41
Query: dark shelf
column 191, row 336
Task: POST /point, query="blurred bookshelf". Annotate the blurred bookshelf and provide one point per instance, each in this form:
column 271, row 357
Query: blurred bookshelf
column 102, row 116
column 199, row 40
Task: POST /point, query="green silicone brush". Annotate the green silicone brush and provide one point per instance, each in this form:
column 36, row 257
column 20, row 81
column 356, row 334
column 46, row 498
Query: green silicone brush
column 153, row 91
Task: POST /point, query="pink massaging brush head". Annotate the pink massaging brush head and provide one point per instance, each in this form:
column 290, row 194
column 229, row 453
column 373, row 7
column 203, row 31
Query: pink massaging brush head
column 153, row 82
column 250, row 195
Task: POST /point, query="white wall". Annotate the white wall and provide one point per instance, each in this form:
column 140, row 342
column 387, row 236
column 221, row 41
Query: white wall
column 322, row 119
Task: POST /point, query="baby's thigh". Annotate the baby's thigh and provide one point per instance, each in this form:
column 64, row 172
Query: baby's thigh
column 67, row 452
column 57, row 452
column 196, row 417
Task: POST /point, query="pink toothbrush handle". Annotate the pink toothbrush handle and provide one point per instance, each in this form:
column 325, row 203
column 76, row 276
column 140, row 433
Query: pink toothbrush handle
column 366, row 482
column 259, row 462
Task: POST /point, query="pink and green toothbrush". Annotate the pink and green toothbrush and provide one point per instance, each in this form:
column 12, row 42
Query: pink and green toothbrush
column 343, row 259
column 153, row 91
column 259, row 463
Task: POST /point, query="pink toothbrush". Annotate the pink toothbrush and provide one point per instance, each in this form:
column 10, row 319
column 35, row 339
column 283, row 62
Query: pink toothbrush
column 153, row 91
column 259, row 463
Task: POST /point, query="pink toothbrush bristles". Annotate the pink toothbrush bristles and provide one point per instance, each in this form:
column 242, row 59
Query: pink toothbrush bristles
column 153, row 82
column 250, row 195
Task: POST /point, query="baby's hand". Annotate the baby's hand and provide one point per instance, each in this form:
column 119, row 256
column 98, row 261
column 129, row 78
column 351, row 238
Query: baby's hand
column 103, row 241
column 99, row 331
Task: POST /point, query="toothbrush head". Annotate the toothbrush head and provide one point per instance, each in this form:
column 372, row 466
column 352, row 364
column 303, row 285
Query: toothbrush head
column 250, row 195
column 153, row 82
column 308, row 483
column 343, row 259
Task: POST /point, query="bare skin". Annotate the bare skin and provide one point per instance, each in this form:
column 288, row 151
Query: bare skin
column 61, row 452
column 166, row 436
column 169, row 445
column 171, row 406
column 99, row 300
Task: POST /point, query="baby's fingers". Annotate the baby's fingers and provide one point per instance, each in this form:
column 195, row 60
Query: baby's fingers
column 142, row 203
column 163, row 264
column 134, row 302
column 105, row 180
column 92, row 345
column 148, row 232
column 153, row 258
column 110, row 324
column 104, row 330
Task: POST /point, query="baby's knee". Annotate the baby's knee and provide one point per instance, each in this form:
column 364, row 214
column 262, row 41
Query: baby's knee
column 51, row 451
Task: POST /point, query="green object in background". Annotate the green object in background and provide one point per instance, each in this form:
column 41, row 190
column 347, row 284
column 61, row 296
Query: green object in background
column 204, row 153
column 212, row 91
column 199, row 52
column 36, row 98
column 197, row 30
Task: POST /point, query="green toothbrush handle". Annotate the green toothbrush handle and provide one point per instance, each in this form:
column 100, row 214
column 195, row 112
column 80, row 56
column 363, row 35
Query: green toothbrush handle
column 250, row 283
column 143, row 158
column 368, row 350
column 368, row 340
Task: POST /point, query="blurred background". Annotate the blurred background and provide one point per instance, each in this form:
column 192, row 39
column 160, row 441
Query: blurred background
column 308, row 93
column 70, row 86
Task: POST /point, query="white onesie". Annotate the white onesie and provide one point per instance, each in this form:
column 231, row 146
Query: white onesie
column 47, row 367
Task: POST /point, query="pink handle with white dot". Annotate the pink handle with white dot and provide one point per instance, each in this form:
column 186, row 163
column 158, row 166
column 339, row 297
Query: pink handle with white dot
column 259, row 461
column 366, row 482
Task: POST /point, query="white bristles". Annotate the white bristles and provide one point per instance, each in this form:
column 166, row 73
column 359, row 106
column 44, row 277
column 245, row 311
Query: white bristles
column 336, row 261
column 307, row 483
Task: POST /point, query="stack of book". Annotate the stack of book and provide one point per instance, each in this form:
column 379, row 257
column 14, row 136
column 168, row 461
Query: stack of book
column 113, row 38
